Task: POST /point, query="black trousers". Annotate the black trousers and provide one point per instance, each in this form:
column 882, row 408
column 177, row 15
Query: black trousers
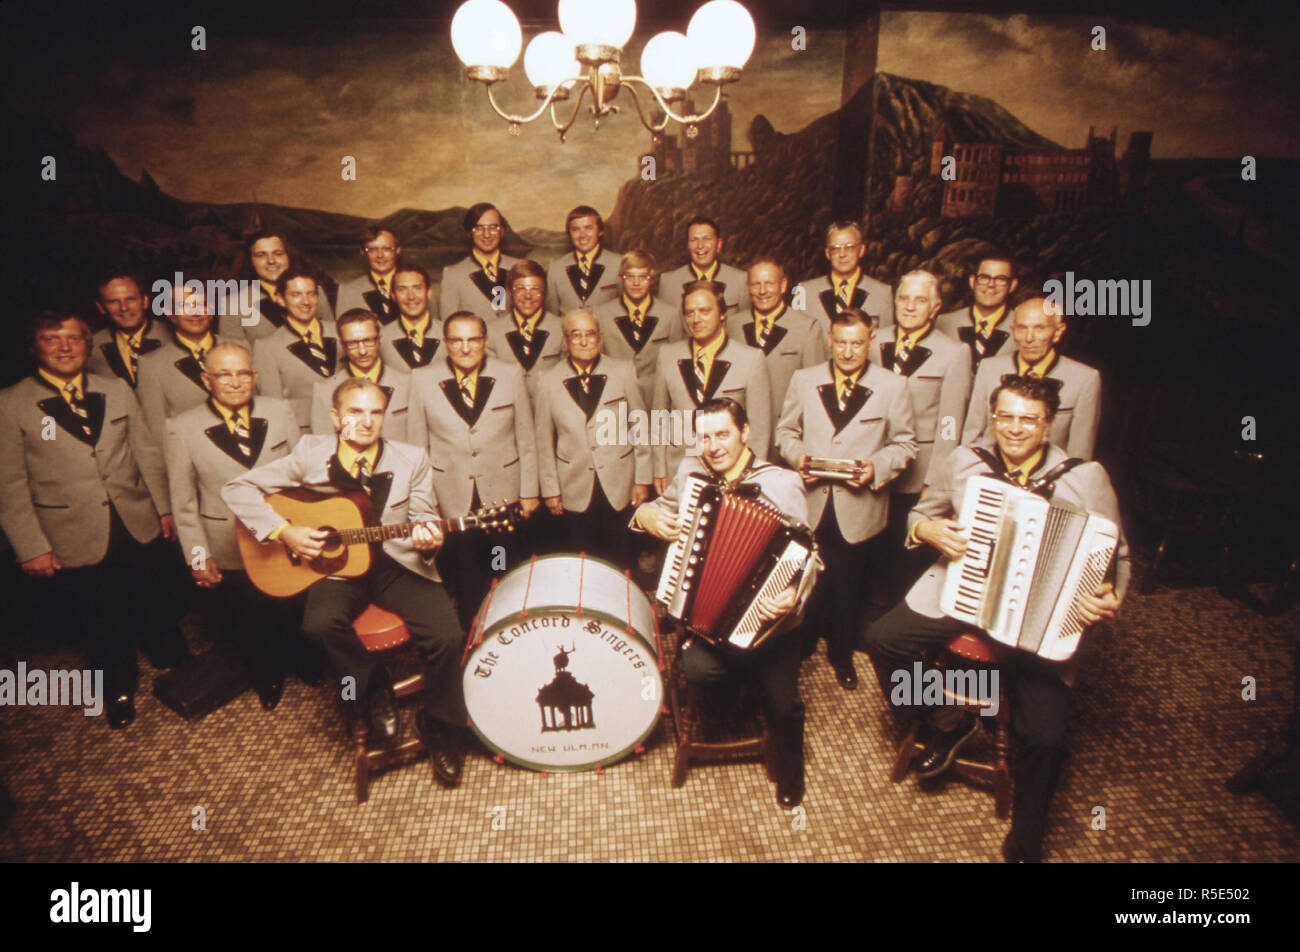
column 774, row 669
column 265, row 629
column 900, row 566
column 839, row 598
column 1039, row 701
column 469, row 561
column 333, row 604
column 129, row 598
column 600, row 530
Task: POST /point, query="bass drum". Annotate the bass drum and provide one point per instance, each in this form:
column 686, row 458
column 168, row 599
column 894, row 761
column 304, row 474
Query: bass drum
column 564, row 671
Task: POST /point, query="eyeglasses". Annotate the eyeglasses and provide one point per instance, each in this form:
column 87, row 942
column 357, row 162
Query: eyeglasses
column 485, row 229
column 1010, row 419
column 380, row 249
column 227, row 377
column 361, row 342
column 840, row 249
column 996, row 280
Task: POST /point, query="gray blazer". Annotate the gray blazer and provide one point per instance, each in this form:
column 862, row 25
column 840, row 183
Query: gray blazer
column 795, row 341
column 1075, row 428
column 202, row 456
column 733, row 279
column 55, row 493
column 660, row 325
column 577, row 434
column 1086, row 486
column 400, row 479
column 396, row 349
column 466, row 288
column 263, row 319
column 564, row 278
column 738, row 372
column 938, row 378
column 361, row 292
column 872, row 296
column 546, row 350
column 394, row 381
column 169, row 383
column 490, row 447
column 104, row 358
column 876, row 425
column 960, row 326
column 285, row 371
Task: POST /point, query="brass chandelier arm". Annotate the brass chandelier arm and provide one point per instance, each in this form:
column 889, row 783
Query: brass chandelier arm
column 573, row 116
column 630, row 82
column 520, row 120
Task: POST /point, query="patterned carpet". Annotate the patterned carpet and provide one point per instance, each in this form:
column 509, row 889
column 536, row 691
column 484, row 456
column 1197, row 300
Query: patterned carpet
column 1157, row 725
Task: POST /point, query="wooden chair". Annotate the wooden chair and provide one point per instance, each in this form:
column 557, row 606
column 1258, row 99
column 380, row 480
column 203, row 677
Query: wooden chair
column 701, row 737
column 382, row 632
column 969, row 650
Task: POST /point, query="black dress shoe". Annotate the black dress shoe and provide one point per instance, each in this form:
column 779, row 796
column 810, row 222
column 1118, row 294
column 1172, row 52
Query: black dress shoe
column 846, row 675
column 942, row 749
column 311, row 675
column 121, row 711
column 381, row 710
column 445, row 757
column 270, row 692
column 789, row 791
column 1011, row 853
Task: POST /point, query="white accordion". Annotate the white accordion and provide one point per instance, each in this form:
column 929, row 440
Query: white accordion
column 1026, row 563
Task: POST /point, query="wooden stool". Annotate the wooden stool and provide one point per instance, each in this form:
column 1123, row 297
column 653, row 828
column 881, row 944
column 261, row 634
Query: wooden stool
column 691, row 727
column 381, row 631
column 996, row 774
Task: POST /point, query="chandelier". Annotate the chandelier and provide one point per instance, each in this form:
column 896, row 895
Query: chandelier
column 713, row 50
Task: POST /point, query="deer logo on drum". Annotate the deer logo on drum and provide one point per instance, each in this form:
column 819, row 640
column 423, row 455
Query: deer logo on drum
column 565, row 703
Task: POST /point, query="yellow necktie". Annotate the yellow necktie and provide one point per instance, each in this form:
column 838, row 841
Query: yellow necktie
column 584, row 263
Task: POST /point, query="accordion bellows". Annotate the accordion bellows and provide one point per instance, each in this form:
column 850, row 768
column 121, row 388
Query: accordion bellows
column 733, row 550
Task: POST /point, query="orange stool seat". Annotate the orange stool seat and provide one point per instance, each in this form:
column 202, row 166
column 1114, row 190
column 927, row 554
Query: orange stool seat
column 380, row 630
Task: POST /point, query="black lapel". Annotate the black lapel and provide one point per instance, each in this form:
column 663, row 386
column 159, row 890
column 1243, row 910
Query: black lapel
column 996, row 340
column 271, row 311
column 381, row 484
column 887, row 355
column 190, row 367
column 717, row 371
column 406, row 350
column 226, row 441
column 857, row 399
column 587, row 401
column 300, row 350
column 526, row 354
column 484, row 283
column 830, row 303
column 628, row 329
column 686, row 367
column 858, row 297
column 115, row 362
column 149, row 344
column 774, row 337
column 593, row 280
column 383, row 308
column 63, row 414
column 481, row 392
column 381, row 481
column 915, row 359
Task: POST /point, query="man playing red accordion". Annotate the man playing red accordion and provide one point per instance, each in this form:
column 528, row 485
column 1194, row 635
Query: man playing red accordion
column 722, row 432
column 1022, row 409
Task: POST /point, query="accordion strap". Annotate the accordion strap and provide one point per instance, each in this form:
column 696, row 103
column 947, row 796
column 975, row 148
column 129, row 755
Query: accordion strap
column 1044, row 485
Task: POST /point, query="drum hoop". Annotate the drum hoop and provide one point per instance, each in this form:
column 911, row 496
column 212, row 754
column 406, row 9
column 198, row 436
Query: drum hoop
column 615, row 756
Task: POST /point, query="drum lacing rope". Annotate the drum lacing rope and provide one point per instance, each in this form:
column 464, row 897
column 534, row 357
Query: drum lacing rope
column 582, row 563
column 474, row 631
column 528, row 587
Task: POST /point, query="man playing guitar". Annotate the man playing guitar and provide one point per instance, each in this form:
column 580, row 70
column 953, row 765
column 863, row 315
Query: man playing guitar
column 402, row 577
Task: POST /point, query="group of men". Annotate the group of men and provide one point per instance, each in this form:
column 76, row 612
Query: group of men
column 577, row 393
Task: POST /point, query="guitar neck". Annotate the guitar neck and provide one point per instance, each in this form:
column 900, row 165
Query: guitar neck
column 367, row 534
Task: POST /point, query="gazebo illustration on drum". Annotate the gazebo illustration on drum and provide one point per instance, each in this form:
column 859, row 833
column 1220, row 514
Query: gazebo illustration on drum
column 565, row 702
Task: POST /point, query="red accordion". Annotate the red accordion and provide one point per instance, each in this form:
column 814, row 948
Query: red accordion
column 733, row 549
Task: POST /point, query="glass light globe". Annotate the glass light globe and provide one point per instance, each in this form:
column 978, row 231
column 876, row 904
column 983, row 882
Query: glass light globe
column 549, row 61
column 598, row 22
column 486, row 33
column 721, row 34
column 667, row 61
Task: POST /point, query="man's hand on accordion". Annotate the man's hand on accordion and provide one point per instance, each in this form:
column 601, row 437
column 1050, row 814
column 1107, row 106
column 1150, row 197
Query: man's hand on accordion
column 946, row 535
column 770, row 609
column 658, row 521
column 1100, row 605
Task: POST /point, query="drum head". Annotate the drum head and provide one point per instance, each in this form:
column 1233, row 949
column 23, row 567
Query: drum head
column 563, row 687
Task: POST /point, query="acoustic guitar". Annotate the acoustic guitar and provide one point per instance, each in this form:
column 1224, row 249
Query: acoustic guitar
column 349, row 518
